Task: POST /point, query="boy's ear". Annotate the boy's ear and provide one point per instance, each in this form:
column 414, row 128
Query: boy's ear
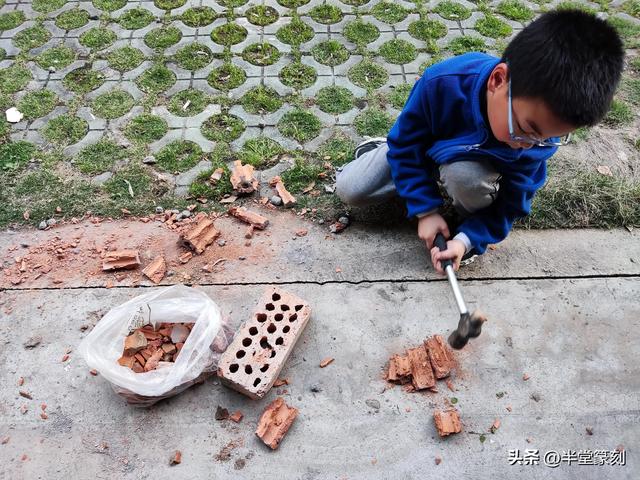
column 499, row 77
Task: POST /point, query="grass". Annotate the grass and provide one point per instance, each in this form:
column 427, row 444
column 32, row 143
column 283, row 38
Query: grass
column 198, row 16
column 197, row 103
column 109, row 5
column 427, row 29
column 179, row 156
column 56, row 57
column 335, row 99
column 466, row 43
column 72, row 19
column 11, row 20
column 99, row 157
column 632, row 7
column 112, row 104
column 492, row 26
column 125, row 58
column 135, row 18
column 156, row 79
column 15, row 155
column 515, row 10
column 338, row 149
column 261, row 100
column 261, row 152
column 232, row 3
column 293, row 3
column 298, row 75
column 398, row 51
column 97, row 38
column 452, row 11
column 620, row 114
column 14, row 78
column 373, row 122
column 65, row 130
column 32, row 37
column 37, row 104
column 629, row 90
column 83, row 80
column 399, row 95
column 326, row 14
column 576, row 6
column 368, row 75
column 629, row 31
column 222, row 127
column 169, row 4
column 162, row 37
column 226, row 77
column 261, row 54
column 202, row 187
column 389, row 12
column 300, row 175
column 194, row 56
column 262, row 15
column 47, row 6
column 299, row 125
column 330, row 52
column 360, row 32
column 295, row 32
column 229, row 34
column 146, row 128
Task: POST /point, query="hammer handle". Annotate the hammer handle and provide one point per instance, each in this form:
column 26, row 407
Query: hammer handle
column 441, row 243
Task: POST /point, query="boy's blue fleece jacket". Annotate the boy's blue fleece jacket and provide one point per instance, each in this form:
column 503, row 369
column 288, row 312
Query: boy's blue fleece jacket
column 442, row 122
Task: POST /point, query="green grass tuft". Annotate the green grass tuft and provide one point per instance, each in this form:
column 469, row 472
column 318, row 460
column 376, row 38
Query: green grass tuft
column 330, row 52
column 197, row 103
column 226, row 77
column 99, row 157
column 373, row 122
column 112, row 104
column 298, row 75
column 146, row 128
column 335, row 99
column 37, row 104
column 125, row 58
column 261, row 100
column 194, row 56
column 179, row 156
column 162, row 37
column 222, row 127
column 299, row 125
column 65, row 130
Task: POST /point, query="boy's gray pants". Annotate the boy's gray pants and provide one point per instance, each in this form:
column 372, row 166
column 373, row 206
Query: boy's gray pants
column 471, row 185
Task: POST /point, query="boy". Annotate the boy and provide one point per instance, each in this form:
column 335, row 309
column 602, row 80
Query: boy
column 484, row 127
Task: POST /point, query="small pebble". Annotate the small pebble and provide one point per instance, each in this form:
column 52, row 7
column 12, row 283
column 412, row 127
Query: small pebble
column 185, row 213
column 315, row 388
column 159, row 210
column 276, row 200
column 51, row 222
column 221, row 243
column 375, row 404
column 344, row 220
column 321, row 222
column 242, row 257
column 43, row 225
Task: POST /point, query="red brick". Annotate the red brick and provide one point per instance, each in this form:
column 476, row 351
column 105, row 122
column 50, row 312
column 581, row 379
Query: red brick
column 242, row 178
column 275, row 422
column 156, row 270
column 421, row 372
column 440, row 356
column 121, row 259
column 247, row 216
column 127, row 361
column 152, row 362
column 447, row 422
column 399, row 369
column 200, row 236
column 134, row 342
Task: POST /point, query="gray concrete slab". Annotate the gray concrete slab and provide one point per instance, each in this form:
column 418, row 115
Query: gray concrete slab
column 578, row 339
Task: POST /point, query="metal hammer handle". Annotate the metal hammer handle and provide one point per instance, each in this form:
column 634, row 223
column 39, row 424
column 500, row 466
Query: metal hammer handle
column 441, row 243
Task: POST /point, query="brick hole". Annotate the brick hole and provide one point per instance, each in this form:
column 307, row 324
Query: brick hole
column 279, row 341
column 298, row 308
column 261, row 317
column 248, row 370
column 275, row 297
column 240, row 353
column 264, row 368
column 286, row 329
column 246, row 342
column 264, row 343
column 278, row 317
column 233, row 368
column 253, row 330
column 271, row 328
column 270, row 307
column 293, row 317
column 273, row 354
column 284, row 307
column 256, row 382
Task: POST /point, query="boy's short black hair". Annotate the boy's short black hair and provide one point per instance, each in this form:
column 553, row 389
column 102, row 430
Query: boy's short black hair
column 570, row 59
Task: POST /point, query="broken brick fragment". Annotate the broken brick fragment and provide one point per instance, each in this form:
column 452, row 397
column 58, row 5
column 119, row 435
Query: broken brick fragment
column 495, row 425
column 247, row 216
column 137, row 368
column 134, row 343
column 242, row 178
column 121, row 259
column 156, row 270
column 93, row 372
column 288, row 200
column 127, row 361
column 447, row 422
column 216, row 176
column 221, row 413
column 25, row 394
column 326, row 361
column 440, row 356
column 200, row 236
column 176, row 458
column 168, row 348
column 280, row 382
column 152, row 362
column 421, row 372
column 399, row 370
column 236, row 416
column 275, row 422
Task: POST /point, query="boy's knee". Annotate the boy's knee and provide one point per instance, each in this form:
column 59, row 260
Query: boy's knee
column 345, row 191
column 471, row 185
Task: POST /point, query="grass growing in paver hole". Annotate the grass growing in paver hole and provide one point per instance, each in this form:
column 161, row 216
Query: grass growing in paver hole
column 629, row 90
column 295, row 33
column 464, row 44
column 226, row 77
column 576, row 6
column 32, row 37
column 112, row 104
column 229, row 34
column 162, row 37
column 632, row 7
column 14, row 78
column 130, row 178
column 99, row 157
column 109, row 5
column 261, row 152
column 398, row 51
column 15, row 155
column 125, row 58
column 293, row 3
column 452, row 11
column 427, row 29
column 334, row 99
column 373, row 122
column 37, row 104
column 179, row 156
column 399, row 95
column 146, row 128
column 232, row 3
column 65, row 130
column 202, row 187
column 261, row 100
column 330, row 52
column 135, row 18
column 337, row 150
column 197, row 101
column 194, row 56
column 360, row 32
column 169, row 4
column 326, row 14
column 515, row 10
column 97, row 38
column 198, row 16
column 83, row 80
column 56, row 57
column 262, row 15
column 72, row 19
column 629, row 31
column 222, row 127
column 301, row 174
column 298, row 75
column 261, row 54
column 492, row 26
column 47, row 6
column 389, row 12
column 619, row 114
column 368, row 75
column 155, row 79
column 299, row 125
column 11, row 20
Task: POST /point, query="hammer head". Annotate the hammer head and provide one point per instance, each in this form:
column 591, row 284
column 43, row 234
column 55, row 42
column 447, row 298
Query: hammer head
column 469, row 326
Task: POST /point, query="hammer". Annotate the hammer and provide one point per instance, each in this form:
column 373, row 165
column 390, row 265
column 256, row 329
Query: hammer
column 470, row 324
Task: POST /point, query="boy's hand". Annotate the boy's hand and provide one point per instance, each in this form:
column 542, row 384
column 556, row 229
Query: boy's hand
column 429, row 226
column 455, row 250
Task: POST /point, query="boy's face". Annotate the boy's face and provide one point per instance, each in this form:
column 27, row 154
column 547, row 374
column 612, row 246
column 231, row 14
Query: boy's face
column 530, row 116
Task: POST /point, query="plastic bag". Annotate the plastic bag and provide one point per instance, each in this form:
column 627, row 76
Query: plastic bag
column 209, row 337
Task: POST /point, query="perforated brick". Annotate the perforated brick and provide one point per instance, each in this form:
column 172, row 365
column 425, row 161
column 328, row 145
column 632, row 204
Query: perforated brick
column 253, row 361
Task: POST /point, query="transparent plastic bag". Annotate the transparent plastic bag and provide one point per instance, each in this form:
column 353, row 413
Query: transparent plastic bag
column 198, row 358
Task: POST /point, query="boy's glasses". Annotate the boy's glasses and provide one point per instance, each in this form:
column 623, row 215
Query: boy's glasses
column 549, row 142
